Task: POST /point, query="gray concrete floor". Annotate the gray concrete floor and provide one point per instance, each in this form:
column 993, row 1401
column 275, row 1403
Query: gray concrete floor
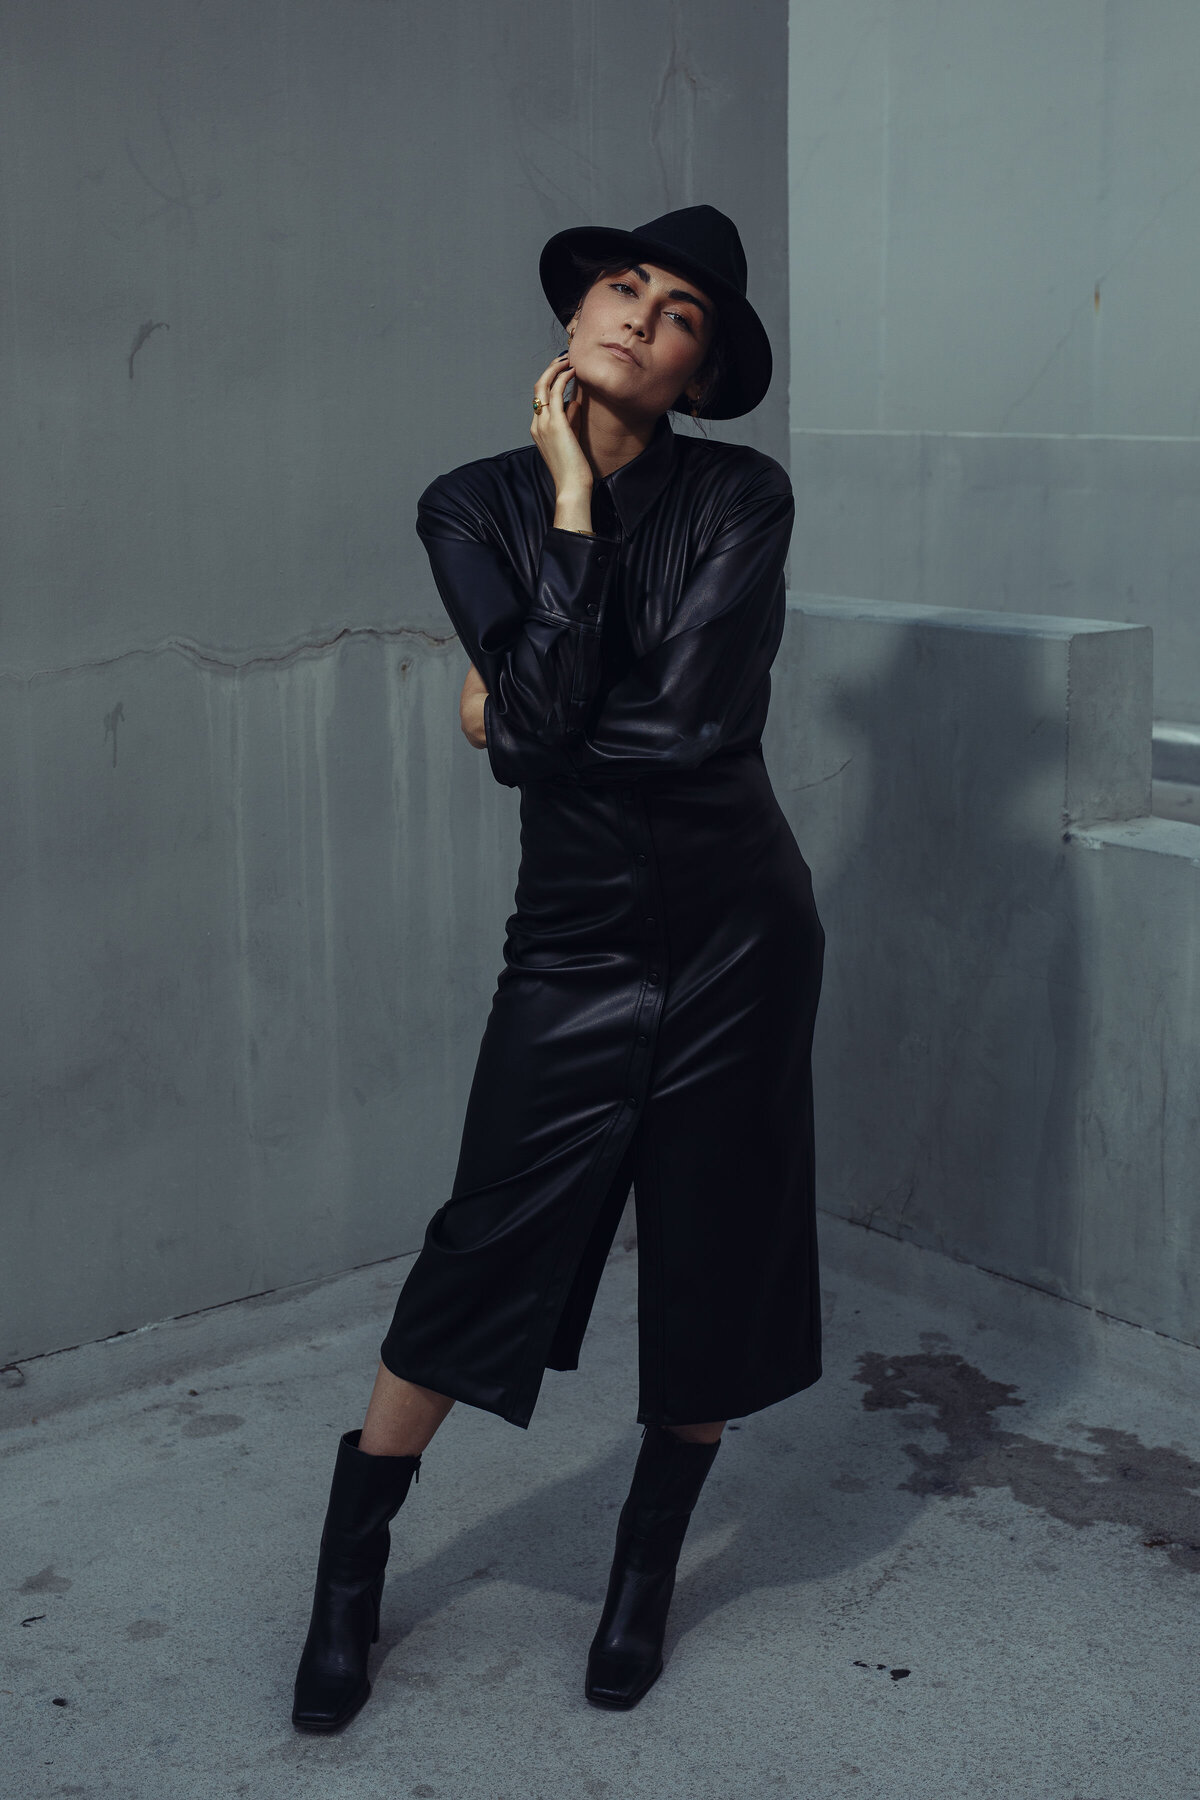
column 966, row 1562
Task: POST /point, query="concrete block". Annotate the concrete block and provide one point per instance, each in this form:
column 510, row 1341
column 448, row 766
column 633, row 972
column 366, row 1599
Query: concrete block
column 938, row 768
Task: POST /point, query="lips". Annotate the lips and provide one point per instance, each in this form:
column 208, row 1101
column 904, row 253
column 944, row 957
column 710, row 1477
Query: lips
column 621, row 350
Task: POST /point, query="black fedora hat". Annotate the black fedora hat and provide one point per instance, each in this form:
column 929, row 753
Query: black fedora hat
column 701, row 243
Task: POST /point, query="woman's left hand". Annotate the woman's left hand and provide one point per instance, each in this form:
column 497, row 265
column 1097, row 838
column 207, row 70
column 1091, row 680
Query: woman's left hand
column 470, row 708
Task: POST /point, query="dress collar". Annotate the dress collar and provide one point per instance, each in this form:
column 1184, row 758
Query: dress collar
column 636, row 485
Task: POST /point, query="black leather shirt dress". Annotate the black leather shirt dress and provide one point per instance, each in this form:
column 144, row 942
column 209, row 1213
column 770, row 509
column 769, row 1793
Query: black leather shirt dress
column 654, row 1018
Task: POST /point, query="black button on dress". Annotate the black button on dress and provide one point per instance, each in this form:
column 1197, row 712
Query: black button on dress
column 654, row 1018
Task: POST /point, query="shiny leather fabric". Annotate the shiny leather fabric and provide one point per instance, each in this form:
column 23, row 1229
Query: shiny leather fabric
column 653, row 1020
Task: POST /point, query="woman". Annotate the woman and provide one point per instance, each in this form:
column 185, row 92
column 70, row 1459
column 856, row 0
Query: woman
column 619, row 591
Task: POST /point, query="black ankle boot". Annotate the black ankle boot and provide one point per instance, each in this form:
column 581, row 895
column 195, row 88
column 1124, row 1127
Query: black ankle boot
column 367, row 1491
column 625, row 1658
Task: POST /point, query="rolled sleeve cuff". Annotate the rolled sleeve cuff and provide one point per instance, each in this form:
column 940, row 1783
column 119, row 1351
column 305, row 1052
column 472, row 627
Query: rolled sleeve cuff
column 515, row 759
column 574, row 577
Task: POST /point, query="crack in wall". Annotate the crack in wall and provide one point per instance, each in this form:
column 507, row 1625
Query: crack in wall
column 232, row 664
column 144, row 330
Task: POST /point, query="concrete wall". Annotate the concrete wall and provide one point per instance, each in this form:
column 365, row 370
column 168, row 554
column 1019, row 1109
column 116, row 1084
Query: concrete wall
column 1007, row 1068
column 995, row 239
column 266, row 272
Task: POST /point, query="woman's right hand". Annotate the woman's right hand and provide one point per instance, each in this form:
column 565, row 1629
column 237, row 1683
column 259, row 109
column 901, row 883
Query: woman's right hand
column 555, row 430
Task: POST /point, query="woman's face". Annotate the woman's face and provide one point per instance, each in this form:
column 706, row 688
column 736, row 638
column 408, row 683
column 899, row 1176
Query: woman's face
column 665, row 320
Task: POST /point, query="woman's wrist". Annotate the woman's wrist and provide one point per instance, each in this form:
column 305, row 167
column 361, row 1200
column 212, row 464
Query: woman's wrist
column 573, row 512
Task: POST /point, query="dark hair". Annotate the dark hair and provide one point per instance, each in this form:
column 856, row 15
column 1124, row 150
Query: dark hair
column 589, row 270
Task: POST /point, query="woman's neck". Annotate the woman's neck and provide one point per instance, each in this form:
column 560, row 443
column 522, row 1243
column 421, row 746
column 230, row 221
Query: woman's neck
column 609, row 439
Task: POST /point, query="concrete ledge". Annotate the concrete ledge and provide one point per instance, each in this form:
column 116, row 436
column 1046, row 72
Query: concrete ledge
column 955, row 683
column 1155, row 836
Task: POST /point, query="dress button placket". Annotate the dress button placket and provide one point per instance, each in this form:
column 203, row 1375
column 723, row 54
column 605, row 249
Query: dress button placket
column 645, row 901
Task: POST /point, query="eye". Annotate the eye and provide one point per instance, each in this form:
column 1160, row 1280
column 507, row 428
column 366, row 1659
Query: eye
column 683, row 320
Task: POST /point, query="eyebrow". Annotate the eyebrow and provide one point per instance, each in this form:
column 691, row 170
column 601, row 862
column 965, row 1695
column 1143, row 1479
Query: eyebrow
column 672, row 293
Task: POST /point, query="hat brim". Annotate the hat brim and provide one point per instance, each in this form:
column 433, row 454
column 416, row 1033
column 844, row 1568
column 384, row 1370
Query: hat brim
column 748, row 360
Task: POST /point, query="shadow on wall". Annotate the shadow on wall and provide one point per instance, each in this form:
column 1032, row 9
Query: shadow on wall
column 954, row 1022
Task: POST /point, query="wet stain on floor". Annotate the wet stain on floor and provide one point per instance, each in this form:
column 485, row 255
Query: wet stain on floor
column 46, row 1581
column 1153, row 1489
column 211, row 1425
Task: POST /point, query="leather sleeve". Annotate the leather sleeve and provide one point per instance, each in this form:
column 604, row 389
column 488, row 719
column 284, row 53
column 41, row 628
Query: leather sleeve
column 539, row 660
column 681, row 702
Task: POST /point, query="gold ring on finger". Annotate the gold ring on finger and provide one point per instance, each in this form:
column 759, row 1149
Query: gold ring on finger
column 538, row 404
